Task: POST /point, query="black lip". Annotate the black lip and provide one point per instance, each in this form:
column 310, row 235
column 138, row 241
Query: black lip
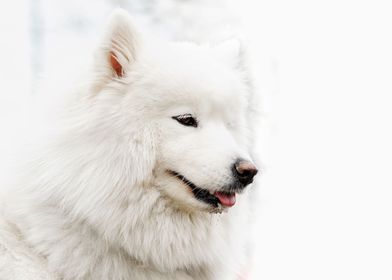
column 199, row 193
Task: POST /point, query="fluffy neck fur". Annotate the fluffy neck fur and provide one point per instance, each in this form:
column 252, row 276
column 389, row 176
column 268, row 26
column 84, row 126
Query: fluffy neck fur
column 66, row 214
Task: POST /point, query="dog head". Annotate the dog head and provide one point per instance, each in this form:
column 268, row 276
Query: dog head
column 183, row 109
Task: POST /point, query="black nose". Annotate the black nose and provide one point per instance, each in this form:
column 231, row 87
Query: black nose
column 244, row 171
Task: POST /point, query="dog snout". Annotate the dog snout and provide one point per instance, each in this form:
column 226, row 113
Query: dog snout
column 244, row 171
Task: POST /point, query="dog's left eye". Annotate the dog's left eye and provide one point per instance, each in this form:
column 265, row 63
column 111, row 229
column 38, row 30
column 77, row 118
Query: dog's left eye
column 186, row 119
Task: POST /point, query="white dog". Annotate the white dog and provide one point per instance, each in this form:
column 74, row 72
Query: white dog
column 147, row 178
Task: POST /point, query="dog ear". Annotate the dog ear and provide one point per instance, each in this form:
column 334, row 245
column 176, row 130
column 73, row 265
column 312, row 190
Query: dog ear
column 232, row 53
column 120, row 44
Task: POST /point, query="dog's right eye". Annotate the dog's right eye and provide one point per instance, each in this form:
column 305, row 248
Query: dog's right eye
column 186, row 119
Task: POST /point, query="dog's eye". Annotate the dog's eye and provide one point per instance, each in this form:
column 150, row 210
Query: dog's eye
column 186, row 119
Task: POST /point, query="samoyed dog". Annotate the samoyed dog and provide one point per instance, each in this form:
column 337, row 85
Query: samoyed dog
column 148, row 176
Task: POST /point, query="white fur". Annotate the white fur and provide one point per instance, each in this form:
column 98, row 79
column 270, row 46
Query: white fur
column 96, row 203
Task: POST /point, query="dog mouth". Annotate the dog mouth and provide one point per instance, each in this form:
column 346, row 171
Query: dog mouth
column 224, row 198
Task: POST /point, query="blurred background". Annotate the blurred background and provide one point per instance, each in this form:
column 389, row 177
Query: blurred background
column 323, row 70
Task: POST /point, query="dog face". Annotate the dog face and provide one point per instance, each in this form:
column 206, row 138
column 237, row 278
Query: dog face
column 193, row 102
column 202, row 157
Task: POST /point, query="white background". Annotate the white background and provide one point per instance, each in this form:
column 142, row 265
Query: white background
column 325, row 74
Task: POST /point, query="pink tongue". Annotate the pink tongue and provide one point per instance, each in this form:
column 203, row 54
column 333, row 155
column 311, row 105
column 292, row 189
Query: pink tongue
column 226, row 199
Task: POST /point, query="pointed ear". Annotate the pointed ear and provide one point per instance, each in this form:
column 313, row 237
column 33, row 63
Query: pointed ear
column 120, row 44
column 231, row 52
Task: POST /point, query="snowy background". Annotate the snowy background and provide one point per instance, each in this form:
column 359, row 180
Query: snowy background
column 324, row 71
